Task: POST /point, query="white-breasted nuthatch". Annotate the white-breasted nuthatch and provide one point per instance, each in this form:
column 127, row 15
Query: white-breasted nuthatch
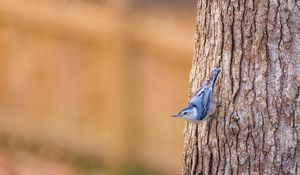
column 201, row 105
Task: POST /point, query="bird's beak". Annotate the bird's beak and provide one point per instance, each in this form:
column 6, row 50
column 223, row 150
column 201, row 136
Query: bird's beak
column 176, row 115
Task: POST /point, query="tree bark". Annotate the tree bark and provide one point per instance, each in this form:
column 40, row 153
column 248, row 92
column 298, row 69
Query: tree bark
column 256, row 128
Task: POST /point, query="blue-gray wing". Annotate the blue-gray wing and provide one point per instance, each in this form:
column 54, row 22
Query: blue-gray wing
column 203, row 97
column 201, row 101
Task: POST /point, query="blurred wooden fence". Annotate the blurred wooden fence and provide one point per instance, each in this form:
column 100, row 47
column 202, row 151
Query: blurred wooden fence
column 96, row 80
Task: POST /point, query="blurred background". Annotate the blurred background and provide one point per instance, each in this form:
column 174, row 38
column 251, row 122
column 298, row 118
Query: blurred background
column 87, row 86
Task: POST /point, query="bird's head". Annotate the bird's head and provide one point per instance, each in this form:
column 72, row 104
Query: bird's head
column 189, row 112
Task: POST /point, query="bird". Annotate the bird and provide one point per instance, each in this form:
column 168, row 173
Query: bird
column 201, row 105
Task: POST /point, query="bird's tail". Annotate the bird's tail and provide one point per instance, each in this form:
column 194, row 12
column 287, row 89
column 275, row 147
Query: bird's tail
column 214, row 75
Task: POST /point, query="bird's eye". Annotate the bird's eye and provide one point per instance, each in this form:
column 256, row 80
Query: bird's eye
column 184, row 113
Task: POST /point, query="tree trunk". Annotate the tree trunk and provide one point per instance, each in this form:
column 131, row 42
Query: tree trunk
column 256, row 128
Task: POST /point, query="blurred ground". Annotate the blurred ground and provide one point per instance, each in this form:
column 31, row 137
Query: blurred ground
column 87, row 87
column 28, row 165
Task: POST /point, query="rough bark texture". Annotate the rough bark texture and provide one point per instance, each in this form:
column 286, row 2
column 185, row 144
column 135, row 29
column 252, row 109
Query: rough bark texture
column 256, row 129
